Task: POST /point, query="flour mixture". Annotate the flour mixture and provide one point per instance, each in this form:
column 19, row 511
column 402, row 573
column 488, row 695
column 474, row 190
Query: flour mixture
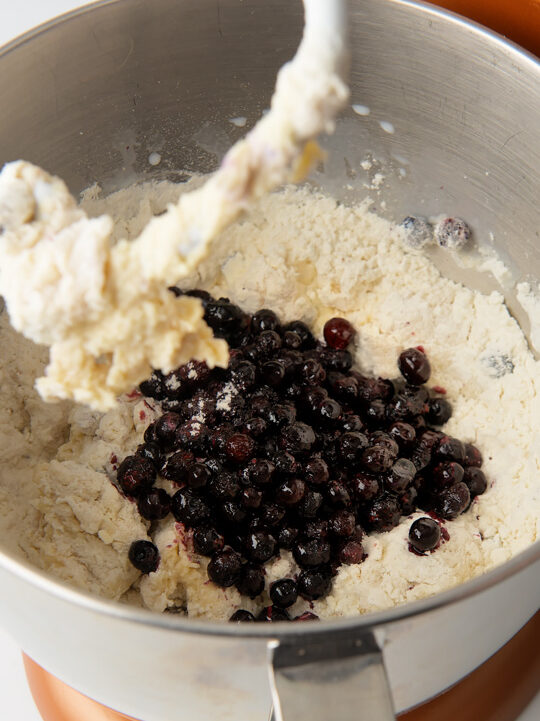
column 305, row 257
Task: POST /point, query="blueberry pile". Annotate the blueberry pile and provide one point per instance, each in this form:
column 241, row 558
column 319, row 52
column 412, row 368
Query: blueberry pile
column 291, row 448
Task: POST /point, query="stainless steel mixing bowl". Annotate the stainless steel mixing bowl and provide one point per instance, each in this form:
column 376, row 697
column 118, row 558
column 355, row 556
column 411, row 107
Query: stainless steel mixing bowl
column 89, row 97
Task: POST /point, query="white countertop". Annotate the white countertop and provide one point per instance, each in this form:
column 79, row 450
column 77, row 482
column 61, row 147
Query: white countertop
column 17, row 704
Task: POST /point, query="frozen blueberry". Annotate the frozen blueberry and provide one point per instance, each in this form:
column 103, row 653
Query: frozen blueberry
column 271, row 614
column 447, row 473
column 439, row 411
column 189, row 509
column 400, row 476
column 290, row 491
column 135, row 475
column 424, row 534
column 264, row 320
column 207, row 541
column 452, row 501
column 316, row 471
column 311, row 553
column 414, row 366
column 338, row 333
column 475, row 481
column 283, row 593
column 297, row 437
column 144, row 556
column 341, row 524
column 260, row 546
column 418, row 231
column 351, row 552
column 384, row 513
column 287, row 537
column 242, row 616
column 365, row 487
column 452, row 233
column 224, row 568
column 239, row 447
column 351, row 446
column 251, row 581
column 313, row 584
column 404, row 434
column 473, row 457
column 154, row 504
column 165, row 429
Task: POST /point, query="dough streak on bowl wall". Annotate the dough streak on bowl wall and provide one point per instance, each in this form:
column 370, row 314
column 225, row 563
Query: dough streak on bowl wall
column 308, row 257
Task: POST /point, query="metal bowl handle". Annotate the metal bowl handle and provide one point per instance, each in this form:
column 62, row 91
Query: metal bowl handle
column 342, row 679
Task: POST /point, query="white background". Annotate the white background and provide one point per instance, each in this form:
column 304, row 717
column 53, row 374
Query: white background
column 15, row 18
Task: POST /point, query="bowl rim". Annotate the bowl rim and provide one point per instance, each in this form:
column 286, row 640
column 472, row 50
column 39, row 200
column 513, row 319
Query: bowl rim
column 283, row 630
column 173, row 622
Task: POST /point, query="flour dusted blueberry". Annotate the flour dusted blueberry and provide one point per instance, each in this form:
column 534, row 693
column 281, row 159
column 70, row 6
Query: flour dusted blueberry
column 226, row 319
column 291, row 449
column 452, row 233
column 418, row 231
column 153, row 387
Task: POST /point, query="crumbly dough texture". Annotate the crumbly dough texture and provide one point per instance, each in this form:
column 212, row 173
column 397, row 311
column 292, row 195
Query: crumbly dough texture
column 307, row 257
